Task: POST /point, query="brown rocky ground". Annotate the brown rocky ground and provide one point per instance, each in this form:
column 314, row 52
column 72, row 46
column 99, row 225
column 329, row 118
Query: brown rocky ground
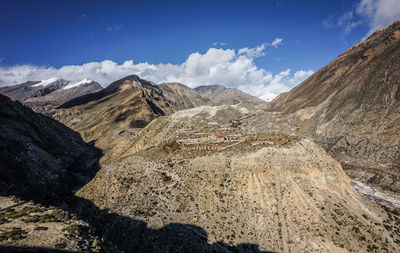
column 351, row 107
column 28, row 225
column 271, row 189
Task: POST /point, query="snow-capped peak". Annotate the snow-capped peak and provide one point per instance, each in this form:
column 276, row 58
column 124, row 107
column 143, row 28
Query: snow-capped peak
column 46, row 82
column 72, row 85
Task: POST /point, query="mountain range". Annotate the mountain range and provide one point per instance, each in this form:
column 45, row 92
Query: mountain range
column 47, row 94
column 141, row 167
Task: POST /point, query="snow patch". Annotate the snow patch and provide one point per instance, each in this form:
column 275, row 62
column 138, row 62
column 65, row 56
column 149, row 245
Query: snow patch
column 72, row 85
column 46, row 82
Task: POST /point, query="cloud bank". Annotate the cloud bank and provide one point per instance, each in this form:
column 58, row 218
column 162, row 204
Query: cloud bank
column 376, row 14
column 379, row 13
column 231, row 68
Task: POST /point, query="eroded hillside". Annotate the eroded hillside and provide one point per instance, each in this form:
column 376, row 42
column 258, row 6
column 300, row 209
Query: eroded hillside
column 351, row 107
column 272, row 189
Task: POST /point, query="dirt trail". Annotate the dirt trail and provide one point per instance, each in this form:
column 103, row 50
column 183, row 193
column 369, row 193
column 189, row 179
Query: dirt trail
column 282, row 219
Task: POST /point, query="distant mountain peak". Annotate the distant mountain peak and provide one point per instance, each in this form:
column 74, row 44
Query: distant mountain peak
column 220, row 95
column 131, row 81
column 47, row 94
column 47, row 82
column 82, row 82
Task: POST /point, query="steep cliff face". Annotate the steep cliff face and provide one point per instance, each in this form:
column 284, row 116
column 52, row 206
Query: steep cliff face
column 40, row 158
column 352, row 107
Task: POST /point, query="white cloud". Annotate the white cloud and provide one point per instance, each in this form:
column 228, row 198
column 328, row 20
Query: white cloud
column 256, row 52
column 378, row 13
column 259, row 50
column 277, row 84
column 350, row 26
column 276, row 42
column 342, row 20
column 114, row 28
column 345, row 21
column 329, row 23
column 231, row 68
column 221, row 44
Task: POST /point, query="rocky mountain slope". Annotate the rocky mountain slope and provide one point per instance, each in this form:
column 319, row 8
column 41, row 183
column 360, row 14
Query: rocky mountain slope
column 40, row 158
column 236, row 187
column 123, row 108
column 48, row 94
column 352, row 107
column 220, row 95
column 240, row 177
column 183, row 96
column 42, row 164
column 206, row 179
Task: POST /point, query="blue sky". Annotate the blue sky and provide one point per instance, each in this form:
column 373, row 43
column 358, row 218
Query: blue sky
column 53, row 34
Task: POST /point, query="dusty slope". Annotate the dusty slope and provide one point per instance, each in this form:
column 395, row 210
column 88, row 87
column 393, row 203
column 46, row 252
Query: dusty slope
column 220, row 95
column 352, row 107
column 269, row 189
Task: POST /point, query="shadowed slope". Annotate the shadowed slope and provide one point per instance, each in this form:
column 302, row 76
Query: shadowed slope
column 40, row 157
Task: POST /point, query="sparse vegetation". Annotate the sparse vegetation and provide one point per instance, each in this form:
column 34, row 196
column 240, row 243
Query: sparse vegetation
column 13, row 234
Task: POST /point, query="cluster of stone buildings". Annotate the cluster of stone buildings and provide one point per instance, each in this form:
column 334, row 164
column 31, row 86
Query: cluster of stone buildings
column 210, row 139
